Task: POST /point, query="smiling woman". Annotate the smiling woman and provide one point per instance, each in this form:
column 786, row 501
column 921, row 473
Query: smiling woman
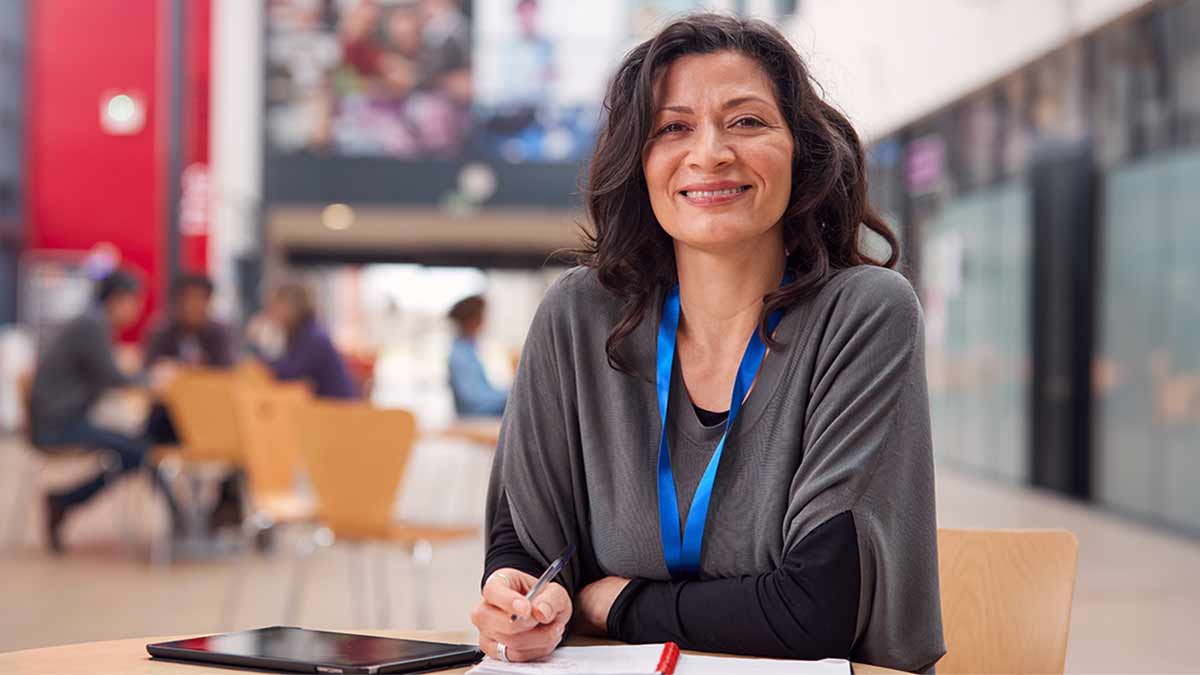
column 724, row 409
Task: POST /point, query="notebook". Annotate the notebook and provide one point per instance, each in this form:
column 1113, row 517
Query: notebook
column 647, row 659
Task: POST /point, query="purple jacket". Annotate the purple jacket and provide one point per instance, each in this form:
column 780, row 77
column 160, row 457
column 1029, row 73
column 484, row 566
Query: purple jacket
column 311, row 356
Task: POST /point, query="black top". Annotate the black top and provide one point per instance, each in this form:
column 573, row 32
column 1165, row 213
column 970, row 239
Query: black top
column 797, row 611
column 709, row 418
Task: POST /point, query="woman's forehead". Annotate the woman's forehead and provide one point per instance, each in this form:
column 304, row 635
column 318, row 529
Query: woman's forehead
column 712, row 78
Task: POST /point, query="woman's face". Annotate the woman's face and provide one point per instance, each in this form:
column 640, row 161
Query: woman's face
column 719, row 161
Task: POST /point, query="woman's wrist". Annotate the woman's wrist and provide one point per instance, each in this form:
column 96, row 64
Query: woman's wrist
column 595, row 602
column 614, row 622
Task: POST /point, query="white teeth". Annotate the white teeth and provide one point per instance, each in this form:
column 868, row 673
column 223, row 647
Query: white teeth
column 714, row 193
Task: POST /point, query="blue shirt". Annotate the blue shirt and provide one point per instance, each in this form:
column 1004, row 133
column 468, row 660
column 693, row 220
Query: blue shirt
column 474, row 395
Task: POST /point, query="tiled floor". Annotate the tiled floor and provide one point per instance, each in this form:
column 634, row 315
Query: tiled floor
column 1137, row 600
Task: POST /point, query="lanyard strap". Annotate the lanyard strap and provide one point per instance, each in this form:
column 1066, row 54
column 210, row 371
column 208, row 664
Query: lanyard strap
column 682, row 553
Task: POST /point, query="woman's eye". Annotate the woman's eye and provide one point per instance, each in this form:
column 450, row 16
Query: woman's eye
column 749, row 122
column 672, row 128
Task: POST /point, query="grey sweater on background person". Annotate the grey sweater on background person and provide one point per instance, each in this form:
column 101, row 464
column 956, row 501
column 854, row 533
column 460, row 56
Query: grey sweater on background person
column 837, row 423
column 75, row 368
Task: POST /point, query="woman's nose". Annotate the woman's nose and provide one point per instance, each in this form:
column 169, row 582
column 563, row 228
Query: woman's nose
column 710, row 149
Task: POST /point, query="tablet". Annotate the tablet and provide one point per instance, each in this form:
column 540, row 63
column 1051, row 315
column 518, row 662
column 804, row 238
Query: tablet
column 314, row 651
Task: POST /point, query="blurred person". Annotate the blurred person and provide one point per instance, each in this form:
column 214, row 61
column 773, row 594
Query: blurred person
column 306, row 352
column 76, row 368
column 474, row 394
column 726, row 267
column 189, row 336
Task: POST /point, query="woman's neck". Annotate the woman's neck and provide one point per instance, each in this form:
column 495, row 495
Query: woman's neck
column 720, row 293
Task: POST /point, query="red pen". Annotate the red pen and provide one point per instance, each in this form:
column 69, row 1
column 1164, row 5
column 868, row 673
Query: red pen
column 668, row 660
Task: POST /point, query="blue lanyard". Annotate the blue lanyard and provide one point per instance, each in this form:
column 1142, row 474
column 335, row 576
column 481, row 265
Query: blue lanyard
column 682, row 553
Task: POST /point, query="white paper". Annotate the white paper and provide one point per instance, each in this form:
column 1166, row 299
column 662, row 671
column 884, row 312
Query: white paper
column 643, row 659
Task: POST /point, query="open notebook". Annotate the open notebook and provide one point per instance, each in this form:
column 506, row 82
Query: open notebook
column 646, row 659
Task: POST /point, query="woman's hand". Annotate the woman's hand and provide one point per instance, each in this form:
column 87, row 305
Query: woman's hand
column 537, row 630
column 595, row 601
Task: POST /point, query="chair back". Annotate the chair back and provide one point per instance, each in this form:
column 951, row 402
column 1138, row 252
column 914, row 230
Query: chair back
column 201, row 404
column 270, row 451
column 1006, row 599
column 356, row 455
column 253, row 371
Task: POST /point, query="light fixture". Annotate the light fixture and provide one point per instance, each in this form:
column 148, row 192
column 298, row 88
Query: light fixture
column 122, row 113
column 337, row 217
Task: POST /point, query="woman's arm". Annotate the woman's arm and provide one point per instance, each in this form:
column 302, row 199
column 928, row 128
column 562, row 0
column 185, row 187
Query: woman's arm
column 504, row 546
column 807, row 608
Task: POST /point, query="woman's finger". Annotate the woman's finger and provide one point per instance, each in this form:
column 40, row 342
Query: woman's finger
column 529, row 646
column 504, row 590
column 498, row 622
column 552, row 603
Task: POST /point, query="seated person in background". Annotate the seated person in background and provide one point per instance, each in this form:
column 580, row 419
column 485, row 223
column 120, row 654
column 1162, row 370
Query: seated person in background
column 189, row 336
column 72, row 373
column 474, row 394
column 307, row 352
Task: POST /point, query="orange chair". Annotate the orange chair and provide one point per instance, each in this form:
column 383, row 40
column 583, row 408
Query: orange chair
column 1006, row 599
column 356, row 456
column 271, row 462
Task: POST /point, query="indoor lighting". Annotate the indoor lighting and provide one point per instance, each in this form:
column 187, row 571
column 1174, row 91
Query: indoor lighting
column 122, row 113
column 337, row 217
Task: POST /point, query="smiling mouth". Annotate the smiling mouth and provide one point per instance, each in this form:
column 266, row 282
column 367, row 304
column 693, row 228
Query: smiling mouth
column 727, row 192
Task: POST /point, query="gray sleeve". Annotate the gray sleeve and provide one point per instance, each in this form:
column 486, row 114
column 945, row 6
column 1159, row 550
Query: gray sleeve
column 94, row 352
column 867, row 449
column 538, row 460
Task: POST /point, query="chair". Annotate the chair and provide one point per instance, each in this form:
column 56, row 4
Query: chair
column 271, row 461
column 200, row 402
column 41, row 460
column 1006, row 599
column 356, row 457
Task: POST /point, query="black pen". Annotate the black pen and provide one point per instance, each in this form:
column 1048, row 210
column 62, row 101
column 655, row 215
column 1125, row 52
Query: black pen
column 547, row 576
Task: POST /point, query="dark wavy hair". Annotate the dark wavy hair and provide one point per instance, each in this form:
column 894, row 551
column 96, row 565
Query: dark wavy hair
column 634, row 257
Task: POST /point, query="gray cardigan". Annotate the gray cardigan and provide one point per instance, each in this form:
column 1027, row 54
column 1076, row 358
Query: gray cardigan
column 838, row 422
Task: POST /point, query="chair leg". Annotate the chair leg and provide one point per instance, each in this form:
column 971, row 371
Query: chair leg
column 422, row 556
column 305, row 547
column 161, row 552
column 383, row 594
column 354, row 555
column 252, row 525
column 110, row 463
column 19, row 517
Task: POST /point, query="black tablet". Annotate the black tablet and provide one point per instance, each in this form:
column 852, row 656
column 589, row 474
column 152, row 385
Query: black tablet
column 314, row 651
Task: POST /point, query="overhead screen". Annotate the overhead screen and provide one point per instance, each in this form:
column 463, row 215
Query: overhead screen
column 428, row 102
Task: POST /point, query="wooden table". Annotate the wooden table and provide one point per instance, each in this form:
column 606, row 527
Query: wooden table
column 129, row 657
column 482, row 430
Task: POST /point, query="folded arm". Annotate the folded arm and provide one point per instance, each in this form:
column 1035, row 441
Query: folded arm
column 806, row 608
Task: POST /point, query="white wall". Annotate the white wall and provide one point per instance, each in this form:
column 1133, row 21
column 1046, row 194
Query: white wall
column 888, row 62
column 235, row 140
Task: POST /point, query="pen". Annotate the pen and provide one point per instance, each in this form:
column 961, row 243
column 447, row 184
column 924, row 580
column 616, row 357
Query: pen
column 547, row 576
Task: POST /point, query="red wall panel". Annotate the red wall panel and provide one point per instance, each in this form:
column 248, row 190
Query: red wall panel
column 87, row 186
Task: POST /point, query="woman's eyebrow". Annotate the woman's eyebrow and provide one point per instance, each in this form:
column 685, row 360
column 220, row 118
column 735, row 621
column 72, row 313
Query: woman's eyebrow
column 731, row 103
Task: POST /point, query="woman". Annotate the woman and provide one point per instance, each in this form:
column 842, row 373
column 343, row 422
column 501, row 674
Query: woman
column 727, row 200
column 474, row 394
column 308, row 353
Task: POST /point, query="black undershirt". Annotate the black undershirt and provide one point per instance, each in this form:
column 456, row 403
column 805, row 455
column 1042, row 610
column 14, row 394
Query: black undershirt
column 709, row 418
column 806, row 608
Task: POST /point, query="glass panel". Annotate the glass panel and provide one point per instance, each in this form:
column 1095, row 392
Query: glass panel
column 1128, row 449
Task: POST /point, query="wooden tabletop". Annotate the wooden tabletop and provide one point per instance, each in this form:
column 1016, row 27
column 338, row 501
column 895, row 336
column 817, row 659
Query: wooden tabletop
column 482, row 430
column 129, row 657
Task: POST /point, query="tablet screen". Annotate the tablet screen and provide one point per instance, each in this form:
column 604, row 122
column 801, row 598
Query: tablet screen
column 312, row 646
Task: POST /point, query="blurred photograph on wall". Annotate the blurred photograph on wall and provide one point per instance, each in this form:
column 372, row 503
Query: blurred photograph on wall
column 541, row 67
column 382, row 78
